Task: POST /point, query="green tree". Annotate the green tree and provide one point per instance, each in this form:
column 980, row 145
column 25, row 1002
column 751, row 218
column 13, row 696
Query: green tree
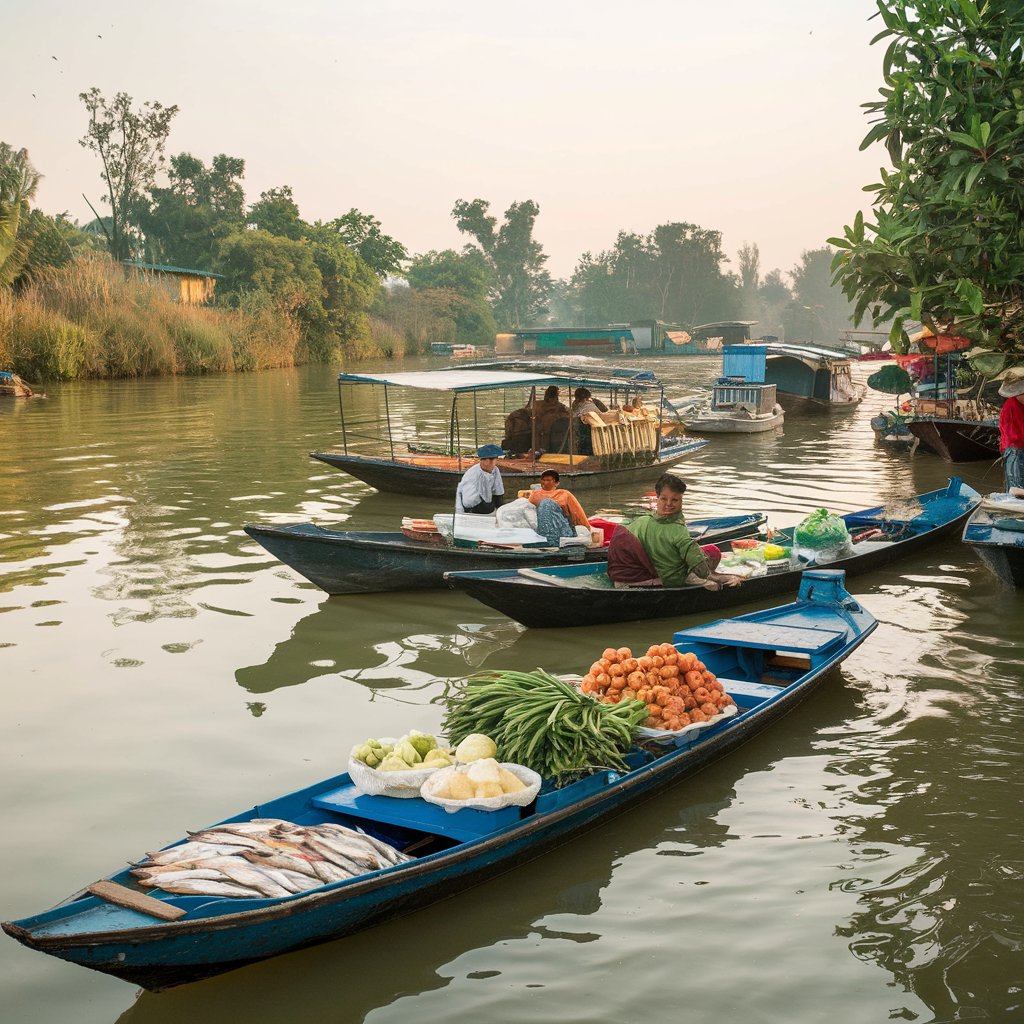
column 361, row 232
column 520, row 283
column 456, row 286
column 130, row 145
column 819, row 311
column 18, row 183
column 184, row 221
column 946, row 245
column 277, row 213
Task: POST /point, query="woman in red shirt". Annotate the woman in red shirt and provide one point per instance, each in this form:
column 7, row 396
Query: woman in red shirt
column 1011, row 428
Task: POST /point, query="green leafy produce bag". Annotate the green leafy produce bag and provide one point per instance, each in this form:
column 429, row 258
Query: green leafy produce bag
column 821, row 530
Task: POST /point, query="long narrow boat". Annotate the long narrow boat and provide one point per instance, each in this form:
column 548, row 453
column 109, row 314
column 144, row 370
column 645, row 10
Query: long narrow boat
column 583, row 595
column 416, row 433
column 768, row 661
column 996, row 532
column 361, row 562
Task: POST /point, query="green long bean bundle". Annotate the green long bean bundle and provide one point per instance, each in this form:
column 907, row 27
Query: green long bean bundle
column 542, row 722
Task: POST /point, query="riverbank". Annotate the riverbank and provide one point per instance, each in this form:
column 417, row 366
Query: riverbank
column 87, row 320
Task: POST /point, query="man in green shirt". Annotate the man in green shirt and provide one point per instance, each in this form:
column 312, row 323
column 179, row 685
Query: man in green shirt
column 677, row 559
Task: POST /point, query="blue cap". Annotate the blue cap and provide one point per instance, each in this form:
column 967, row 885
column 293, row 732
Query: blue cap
column 489, row 451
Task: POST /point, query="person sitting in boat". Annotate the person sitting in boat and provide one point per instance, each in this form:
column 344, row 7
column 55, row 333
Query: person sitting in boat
column 518, row 431
column 1011, row 428
column 584, row 402
column 552, row 421
column 657, row 549
column 481, row 490
column 558, row 511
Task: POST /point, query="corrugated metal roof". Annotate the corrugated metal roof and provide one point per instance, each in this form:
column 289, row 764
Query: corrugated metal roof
column 167, row 269
column 812, row 351
column 484, row 380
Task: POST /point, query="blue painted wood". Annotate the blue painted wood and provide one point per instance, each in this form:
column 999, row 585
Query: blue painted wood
column 999, row 542
column 219, row 934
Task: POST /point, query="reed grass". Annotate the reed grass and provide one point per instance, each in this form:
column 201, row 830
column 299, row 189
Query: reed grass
column 87, row 319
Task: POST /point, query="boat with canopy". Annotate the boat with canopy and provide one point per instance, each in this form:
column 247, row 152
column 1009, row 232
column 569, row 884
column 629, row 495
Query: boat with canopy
column 417, row 432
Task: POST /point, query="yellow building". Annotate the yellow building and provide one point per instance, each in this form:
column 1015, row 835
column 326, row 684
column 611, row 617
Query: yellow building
column 185, row 285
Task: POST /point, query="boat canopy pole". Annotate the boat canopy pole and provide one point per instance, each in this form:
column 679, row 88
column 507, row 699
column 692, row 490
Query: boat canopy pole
column 476, row 424
column 533, row 425
column 387, row 413
column 454, row 440
column 344, row 429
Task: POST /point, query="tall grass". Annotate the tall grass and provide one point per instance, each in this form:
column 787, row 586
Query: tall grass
column 87, row 319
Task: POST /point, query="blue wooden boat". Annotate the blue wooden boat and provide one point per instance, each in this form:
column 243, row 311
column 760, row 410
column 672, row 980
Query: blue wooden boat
column 583, row 595
column 362, row 562
column 768, row 661
column 416, row 433
column 998, row 537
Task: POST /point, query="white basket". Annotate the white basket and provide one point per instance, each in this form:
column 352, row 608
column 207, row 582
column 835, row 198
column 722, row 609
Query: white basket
column 492, row 803
column 688, row 733
column 403, row 785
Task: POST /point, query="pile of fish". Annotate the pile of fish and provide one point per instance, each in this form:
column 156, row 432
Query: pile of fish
column 264, row 857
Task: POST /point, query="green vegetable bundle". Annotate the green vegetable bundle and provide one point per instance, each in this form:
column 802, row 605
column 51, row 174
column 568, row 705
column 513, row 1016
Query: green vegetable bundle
column 542, row 722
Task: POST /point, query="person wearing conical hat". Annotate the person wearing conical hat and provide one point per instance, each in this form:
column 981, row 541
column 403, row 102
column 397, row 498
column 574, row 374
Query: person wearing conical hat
column 1011, row 427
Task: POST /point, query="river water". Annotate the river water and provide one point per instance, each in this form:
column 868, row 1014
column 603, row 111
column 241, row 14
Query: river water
column 862, row 861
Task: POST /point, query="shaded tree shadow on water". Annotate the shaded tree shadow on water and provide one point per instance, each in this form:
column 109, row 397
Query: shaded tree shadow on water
column 333, row 641
column 348, row 979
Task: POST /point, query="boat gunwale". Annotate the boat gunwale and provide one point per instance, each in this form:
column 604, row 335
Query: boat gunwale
column 648, row 775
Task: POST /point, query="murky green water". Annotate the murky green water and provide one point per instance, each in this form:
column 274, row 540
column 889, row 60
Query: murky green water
column 860, row 862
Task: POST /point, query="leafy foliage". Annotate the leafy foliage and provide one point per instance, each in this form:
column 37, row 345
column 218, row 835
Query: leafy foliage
column 947, row 245
column 18, row 183
column 674, row 274
column 818, row 310
column 184, row 221
column 130, row 145
column 361, row 233
column 520, row 283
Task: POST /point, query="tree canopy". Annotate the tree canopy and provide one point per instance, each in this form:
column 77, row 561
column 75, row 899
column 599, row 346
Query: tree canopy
column 519, row 281
column 361, row 233
column 946, row 245
column 18, row 183
column 130, row 145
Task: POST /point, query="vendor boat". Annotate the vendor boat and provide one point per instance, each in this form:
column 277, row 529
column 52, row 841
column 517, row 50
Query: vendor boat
column 996, row 532
column 768, row 661
column 363, row 562
column 583, row 595
column 416, row 433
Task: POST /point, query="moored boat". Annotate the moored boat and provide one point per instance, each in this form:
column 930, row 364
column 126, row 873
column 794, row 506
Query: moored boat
column 956, row 440
column 768, row 662
column 583, row 595
column 391, row 441
column 363, row 562
column 12, row 386
column 995, row 531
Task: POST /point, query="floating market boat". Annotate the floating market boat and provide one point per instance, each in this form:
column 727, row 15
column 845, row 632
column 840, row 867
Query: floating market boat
column 12, row 386
column 583, row 595
column 416, row 433
column 740, row 404
column 996, row 532
column 956, row 440
column 363, row 562
column 812, row 376
column 768, row 661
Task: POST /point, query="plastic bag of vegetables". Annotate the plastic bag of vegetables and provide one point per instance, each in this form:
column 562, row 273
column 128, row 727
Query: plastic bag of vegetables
column 822, row 538
column 483, row 785
column 398, row 768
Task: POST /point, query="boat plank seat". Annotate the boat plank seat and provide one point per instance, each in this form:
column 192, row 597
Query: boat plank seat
column 745, row 688
column 122, row 896
column 774, row 637
column 415, row 813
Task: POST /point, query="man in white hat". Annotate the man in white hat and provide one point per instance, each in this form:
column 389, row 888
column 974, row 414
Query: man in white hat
column 1011, row 427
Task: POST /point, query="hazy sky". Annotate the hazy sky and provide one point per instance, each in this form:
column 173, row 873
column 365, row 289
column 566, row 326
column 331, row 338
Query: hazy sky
column 736, row 115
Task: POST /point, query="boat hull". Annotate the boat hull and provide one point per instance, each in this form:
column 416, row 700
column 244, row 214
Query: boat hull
column 957, row 440
column 538, row 605
column 355, row 562
column 217, row 935
column 1001, row 550
column 735, row 424
column 425, row 481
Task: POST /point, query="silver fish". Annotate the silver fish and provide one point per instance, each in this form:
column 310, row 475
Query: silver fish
column 158, row 878
column 209, row 887
column 353, row 860
column 241, row 872
column 187, row 851
column 283, row 861
column 393, row 855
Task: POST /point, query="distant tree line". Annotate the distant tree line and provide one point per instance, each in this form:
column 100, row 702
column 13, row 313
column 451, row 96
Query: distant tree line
column 349, row 288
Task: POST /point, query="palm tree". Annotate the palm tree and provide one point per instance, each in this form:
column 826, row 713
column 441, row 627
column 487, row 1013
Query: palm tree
column 18, row 183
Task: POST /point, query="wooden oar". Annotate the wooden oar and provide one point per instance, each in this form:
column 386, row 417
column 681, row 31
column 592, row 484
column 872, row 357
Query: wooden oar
column 122, row 896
